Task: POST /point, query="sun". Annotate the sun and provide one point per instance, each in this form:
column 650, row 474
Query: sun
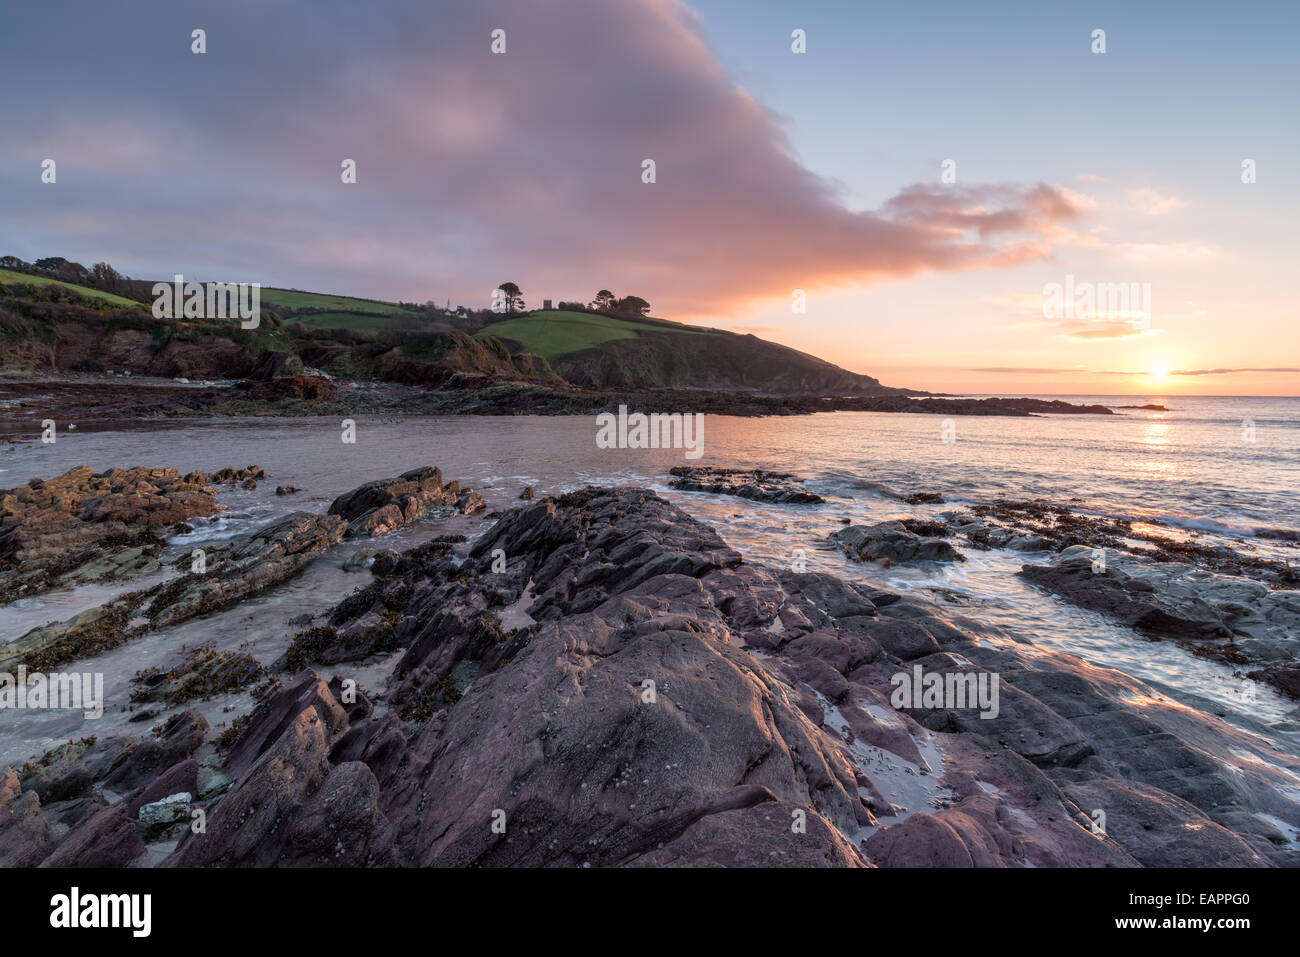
column 1159, row 370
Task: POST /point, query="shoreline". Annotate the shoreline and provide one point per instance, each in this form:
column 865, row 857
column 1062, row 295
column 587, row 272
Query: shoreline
column 100, row 401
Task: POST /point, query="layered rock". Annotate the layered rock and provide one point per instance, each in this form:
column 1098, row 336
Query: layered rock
column 662, row 702
column 247, row 565
column 1229, row 617
column 93, row 526
column 671, row 704
column 755, row 484
column 382, row 506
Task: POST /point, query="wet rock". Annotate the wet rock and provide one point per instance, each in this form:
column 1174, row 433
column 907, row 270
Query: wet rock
column 1223, row 616
column 1159, row 829
column 286, row 489
column 251, row 563
column 233, row 476
column 893, row 542
column 90, row 526
column 382, row 506
column 755, row 484
column 200, row 675
column 924, row 498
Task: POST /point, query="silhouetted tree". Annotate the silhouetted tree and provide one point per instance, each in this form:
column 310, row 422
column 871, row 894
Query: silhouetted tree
column 604, row 300
column 633, row 306
column 514, row 298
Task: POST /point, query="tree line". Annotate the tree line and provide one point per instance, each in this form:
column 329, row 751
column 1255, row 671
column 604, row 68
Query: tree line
column 511, row 300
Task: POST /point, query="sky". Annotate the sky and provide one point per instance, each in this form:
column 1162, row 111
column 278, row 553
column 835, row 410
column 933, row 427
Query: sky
column 909, row 197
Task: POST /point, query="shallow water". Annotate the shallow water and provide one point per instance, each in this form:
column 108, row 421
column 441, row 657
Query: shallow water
column 1190, row 465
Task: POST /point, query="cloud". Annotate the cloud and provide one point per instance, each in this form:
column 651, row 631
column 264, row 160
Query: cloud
column 1149, row 202
column 1229, row 371
column 472, row 168
column 1108, row 330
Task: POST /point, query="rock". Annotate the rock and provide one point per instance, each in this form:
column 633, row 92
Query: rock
column 660, row 701
column 1285, row 678
column 382, row 506
column 138, row 763
column 26, row 838
column 180, row 777
column 1161, row 830
column 286, row 489
column 753, row 484
column 892, row 541
column 202, row 674
column 161, row 815
column 89, row 526
column 924, row 498
column 1230, row 617
column 109, row 839
column 251, row 563
column 251, row 823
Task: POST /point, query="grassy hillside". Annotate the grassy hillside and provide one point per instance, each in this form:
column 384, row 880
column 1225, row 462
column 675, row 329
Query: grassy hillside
column 606, row 352
column 556, row 333
column 8, row 277
column 67, row 326
column 296, row 299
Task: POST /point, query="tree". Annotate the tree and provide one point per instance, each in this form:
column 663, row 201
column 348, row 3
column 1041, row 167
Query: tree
column 513, row 297
column 604, row 300
column 633, row 306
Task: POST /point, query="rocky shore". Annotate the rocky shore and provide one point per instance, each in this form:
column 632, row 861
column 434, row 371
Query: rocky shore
column 85, row 526
column 24, row 403
column 1220, row 602
column 208, row 580
column 602, row 681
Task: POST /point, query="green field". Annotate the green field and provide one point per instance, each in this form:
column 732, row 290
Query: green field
column 8, row 276
column 555, row 333
column 294, row 299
